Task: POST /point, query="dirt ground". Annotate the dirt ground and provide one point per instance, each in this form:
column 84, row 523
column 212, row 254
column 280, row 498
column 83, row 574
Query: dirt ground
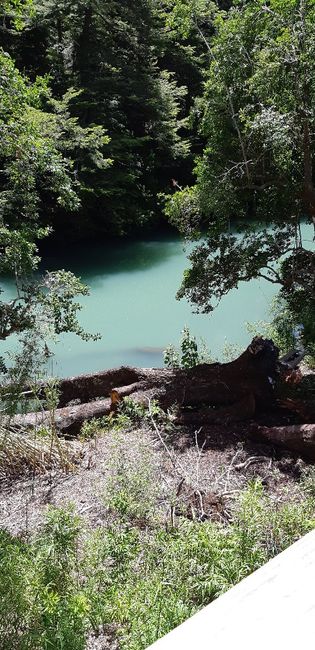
column 197, row 473
column 193, row 473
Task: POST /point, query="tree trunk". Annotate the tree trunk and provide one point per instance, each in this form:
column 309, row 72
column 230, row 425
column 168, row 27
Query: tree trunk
column 230, row 391
column 68, row 420
column 299, row 438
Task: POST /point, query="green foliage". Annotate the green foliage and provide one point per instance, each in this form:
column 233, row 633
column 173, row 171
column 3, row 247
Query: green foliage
column 286, row 317
column 131, row 490
column 18, row 11
column 128, row 88
column 256, row 118
column 189, row 354
column 42, row 604
column 39, row 137
column 187, row 568
column 37, row 133
column 184, row 15
column 128, row 415
column 42, row 311
column 93, row 428
column 146, row 583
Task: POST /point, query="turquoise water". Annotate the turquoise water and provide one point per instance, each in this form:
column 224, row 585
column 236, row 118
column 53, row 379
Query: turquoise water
column 132, row 305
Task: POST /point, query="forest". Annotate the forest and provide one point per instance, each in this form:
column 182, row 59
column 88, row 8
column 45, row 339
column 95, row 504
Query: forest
column 124, row 123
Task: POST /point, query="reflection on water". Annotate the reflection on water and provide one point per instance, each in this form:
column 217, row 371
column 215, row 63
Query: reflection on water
column 116, row 257
column 132, row 304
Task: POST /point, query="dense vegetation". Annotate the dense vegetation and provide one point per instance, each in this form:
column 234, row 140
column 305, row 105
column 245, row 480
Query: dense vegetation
column 113, row 112
column 256, row 118
column 121, row 62
column 139, row 573
column 115, row 116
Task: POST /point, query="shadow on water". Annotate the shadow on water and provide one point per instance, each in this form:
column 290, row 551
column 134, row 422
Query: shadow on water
column 135, row 311
column 113, row 257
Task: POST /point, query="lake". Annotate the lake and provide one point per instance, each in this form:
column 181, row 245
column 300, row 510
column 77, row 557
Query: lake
column 132, row 305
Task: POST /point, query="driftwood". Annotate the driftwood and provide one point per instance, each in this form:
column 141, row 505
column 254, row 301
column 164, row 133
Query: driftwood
column 206, row 394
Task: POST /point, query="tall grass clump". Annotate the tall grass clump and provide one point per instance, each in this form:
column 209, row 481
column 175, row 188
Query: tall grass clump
column 22, row 452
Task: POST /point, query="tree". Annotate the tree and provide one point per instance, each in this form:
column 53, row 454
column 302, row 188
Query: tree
column 38, row 139
column 113, row 53
column 257, row 118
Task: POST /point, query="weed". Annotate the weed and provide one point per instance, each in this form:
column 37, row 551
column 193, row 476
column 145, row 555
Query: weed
column 129, row 413
column 131, row 490
column 189, row 354
column 42, row 604
column 94, row 427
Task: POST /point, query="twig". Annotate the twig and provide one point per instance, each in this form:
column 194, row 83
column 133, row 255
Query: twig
column 250, row 461
column 199, row 454
column 173, row 459
column 230, row 467
column 228, row 470
column 202, row 512
column 86, row 509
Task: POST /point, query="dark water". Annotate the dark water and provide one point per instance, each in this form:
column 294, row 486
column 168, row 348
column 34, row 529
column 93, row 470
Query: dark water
column 132, row 304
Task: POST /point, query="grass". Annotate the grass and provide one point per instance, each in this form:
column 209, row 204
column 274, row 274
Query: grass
column 22, row 453
column 145, row 581
column 136, row 576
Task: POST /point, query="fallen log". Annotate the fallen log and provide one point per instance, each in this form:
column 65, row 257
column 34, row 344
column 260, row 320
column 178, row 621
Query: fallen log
column 68, row 420
column 303, row 408
column 237, row 412
column 239, row 387
column 299, row 438
column 253, row 370
column 86, row 387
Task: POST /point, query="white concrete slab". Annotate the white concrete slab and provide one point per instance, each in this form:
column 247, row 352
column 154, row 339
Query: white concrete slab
column 272, row 609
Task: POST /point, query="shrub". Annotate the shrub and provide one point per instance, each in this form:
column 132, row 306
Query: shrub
column 42, row 604
column 145, row 581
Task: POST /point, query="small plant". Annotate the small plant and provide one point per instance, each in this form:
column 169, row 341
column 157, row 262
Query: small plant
column 131, row 490
column 94, row 427
column 129, row 413
column 189, row 353
column 133, row 411
column 137, row 413
column 231, row 351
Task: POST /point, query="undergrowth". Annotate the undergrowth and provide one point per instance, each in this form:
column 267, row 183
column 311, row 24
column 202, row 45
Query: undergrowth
column 128, row 414
column 144, row 580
